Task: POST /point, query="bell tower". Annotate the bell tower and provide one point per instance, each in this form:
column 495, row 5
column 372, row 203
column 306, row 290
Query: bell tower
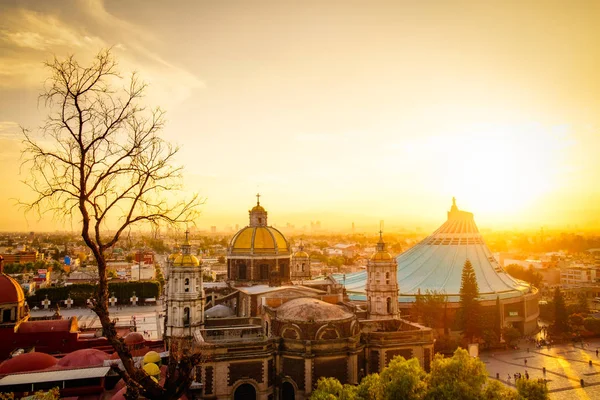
column 382, row 284
column 185, row 295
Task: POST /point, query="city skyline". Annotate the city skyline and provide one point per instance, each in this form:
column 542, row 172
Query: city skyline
column 340, row 113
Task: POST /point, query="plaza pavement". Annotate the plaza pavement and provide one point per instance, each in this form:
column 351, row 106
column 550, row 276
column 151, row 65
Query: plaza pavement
column 147, row 318
column 565, row 365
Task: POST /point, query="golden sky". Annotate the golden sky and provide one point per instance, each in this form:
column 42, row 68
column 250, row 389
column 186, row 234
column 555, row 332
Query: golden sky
column 342, row 111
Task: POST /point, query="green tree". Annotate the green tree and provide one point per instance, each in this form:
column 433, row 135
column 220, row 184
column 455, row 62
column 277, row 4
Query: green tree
column 460, row 377
column 529, row 275
column 327, row 389
column 103, row 164
column 592, row 324
column 510, row 334
column 430, row 308
column 532, row 389
column 470, row 309
column 495, row 390
column 561, row 318
column 404, row 380
column 370, row 388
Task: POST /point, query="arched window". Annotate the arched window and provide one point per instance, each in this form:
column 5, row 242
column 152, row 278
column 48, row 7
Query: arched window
column 302, row 267
column 187, row 284
column 389, row 305
column 186, row 317
column 387, row 278
column 378, row 306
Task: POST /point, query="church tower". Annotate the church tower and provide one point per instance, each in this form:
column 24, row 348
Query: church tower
column 300, row 264
column 382, row 284
column 185, row 295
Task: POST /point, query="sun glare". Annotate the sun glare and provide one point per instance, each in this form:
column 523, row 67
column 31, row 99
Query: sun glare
column 501, row 170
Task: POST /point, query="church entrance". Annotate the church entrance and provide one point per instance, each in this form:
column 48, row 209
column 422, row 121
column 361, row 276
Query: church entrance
column 245, row 392
column 287, row 391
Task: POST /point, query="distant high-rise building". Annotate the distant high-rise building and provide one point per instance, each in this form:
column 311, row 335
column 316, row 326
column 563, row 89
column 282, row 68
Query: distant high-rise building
column 213, row 229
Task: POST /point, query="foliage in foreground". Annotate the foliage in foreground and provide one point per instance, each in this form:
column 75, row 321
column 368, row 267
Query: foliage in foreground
column 460, row 377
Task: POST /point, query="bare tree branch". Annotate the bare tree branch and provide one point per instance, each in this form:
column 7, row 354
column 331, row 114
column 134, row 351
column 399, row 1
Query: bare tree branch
column 100, row 160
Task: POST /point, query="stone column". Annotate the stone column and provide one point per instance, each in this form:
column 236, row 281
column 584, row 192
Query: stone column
column 220, row 372
column 353, row 369
column 308, row 381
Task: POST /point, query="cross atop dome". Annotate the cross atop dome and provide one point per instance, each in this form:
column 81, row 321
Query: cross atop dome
column 258, row 199
column 186, row 248
column 381, row 243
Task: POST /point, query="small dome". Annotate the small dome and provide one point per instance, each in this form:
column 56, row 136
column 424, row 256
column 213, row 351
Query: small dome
column 219, row 311
column 152, row 357
column 151, row 369
column 257, row 208
column 381, row 256
column 84, row 358
column 300, row 254
column 309, row 310
column 258, row 240
column 185, row 260
column 27, row 362
column 133, row 338
column 10, row 290
column 173, row 256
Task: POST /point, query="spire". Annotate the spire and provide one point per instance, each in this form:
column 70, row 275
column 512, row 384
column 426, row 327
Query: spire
column 258, row 199
column 454, row 207
column 381, row 243
column 301, row 247
column 186, row 247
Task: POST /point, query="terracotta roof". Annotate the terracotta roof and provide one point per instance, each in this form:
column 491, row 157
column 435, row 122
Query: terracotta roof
column 26, row 362
column 84, row 358
column 133, row 338
column 45, row 326
column 10, row 290
column 309, row 310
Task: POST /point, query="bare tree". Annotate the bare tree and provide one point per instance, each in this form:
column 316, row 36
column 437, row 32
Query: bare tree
column 100, row 162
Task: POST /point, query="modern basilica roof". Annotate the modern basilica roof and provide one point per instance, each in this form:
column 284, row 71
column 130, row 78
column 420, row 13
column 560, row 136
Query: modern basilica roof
column 437, row 261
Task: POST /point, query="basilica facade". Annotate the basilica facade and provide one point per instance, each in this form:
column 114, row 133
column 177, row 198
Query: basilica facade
column 270, row 332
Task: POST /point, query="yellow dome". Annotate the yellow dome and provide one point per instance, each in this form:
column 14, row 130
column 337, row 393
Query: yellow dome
column 381, row 256
column 259, row 239
column 257, row 208
column 152, row 369
column 185, row 260
column 300, row 254
column 152, row 357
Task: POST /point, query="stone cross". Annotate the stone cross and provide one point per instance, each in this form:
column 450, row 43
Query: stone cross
column 69, row 302
column 46, row 303
column 112, row 300
column 133, row 299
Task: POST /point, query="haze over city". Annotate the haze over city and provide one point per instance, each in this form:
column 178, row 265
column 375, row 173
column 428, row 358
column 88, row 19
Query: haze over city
column 361, row 113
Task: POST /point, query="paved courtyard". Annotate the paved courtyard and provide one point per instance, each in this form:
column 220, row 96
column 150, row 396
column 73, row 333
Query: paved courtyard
column 147, row 318
column 565, row 366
